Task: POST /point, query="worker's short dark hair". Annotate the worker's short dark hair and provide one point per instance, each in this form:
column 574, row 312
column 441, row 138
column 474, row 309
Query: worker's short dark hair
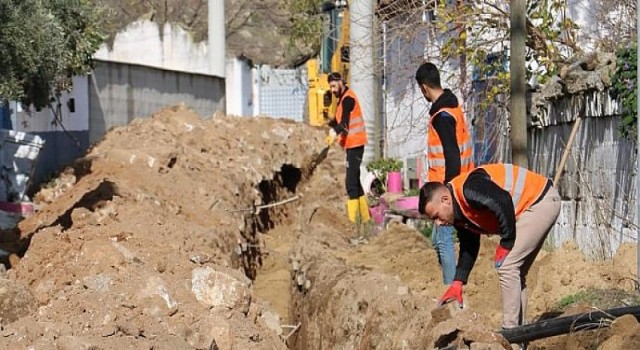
column 426, row 194
column 428, row 74
column 334, row 76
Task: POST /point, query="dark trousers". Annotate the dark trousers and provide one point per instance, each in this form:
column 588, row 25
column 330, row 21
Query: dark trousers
column 352, row 181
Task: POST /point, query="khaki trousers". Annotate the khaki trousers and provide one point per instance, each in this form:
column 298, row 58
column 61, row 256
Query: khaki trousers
column 532, row 227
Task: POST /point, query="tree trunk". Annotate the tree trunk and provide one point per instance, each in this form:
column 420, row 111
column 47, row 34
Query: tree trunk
column 517, row 108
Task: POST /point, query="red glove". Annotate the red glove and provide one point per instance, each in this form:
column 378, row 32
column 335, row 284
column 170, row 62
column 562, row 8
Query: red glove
column 454, row 292
column 501, row 254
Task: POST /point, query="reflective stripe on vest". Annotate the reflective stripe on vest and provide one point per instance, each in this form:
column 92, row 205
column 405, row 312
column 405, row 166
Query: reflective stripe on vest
column 524, row 186
column 435, row 151
column 464, row 147
column 356, row 135
column 516, row 192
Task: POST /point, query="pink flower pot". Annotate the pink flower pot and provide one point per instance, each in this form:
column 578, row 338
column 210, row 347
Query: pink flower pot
column 394, row 182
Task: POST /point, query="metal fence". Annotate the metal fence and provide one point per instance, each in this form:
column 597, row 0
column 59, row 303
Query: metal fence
column 281, row 92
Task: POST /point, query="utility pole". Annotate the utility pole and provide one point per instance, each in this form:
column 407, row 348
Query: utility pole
column 217, row 41
column 638, row 141
column 517, row 104
column 361, row 58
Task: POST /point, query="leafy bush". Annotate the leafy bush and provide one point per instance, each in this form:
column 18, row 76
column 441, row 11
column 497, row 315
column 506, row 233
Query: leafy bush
column 624, row 89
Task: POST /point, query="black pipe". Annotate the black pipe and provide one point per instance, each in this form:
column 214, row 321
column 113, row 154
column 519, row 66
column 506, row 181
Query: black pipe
column 563, row 325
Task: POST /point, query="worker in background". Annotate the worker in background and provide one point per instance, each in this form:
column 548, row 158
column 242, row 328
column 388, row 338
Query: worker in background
column 348, row 125
column 519, row 205
column 449, row 153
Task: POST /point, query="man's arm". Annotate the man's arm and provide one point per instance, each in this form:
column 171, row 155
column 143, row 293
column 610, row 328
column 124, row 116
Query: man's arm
column 469, row 248
column 484, row 194
column 445, row 126
column 348, row 104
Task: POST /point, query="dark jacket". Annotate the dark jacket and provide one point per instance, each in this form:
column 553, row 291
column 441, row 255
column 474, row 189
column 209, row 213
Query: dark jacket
column 445, row 125
column 483, row 194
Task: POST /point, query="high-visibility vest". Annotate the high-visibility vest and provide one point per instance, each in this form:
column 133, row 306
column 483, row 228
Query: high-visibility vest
column 435, row 152
column 524, row 186
column 357, row 134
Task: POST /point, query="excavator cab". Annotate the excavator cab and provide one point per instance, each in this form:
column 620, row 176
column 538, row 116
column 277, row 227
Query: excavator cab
column 334, row 57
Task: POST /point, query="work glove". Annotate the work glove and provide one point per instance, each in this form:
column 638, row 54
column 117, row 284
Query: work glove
column 501, row 254
column 331, row 138
column 453, row 293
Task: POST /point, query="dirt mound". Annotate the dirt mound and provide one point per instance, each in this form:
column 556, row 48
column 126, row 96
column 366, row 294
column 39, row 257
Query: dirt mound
column 231, row 233
column 151, row 247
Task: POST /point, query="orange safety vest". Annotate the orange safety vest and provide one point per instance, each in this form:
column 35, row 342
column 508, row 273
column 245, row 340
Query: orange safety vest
column 524, row 186
column 357, row 134
column 435, row 152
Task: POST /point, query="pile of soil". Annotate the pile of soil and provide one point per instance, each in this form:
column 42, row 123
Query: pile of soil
column 231, row 233
column 151, row 241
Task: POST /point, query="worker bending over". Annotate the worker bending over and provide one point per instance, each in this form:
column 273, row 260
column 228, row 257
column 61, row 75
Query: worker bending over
column 519, row 205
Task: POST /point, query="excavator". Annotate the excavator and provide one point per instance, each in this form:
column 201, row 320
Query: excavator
column 334, row 57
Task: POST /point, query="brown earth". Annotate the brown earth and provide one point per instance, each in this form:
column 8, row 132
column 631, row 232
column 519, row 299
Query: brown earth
column 156, row 240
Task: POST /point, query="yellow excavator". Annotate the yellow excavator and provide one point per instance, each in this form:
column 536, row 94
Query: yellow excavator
column 334, row 57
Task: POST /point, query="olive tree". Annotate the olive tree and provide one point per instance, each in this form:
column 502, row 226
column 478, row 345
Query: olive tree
column 43, row 44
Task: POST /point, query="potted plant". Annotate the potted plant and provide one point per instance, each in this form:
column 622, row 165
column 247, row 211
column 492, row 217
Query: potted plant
column 388, row 172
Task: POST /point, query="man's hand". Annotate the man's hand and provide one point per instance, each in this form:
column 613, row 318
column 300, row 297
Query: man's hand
column 331, row 138
column 453, row 293
column 501, row 254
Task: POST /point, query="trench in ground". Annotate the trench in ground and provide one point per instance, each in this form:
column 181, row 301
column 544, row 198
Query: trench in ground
column 267, row 264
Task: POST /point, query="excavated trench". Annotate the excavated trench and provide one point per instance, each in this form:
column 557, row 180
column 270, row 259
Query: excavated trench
column 232, row 234
column 269, row 237
column 155, row 214
column 297, row 262
column 295, row 253
column 260, row 221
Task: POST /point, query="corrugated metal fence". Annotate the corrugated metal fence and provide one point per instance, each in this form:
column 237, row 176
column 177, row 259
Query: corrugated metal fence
column 598, row 183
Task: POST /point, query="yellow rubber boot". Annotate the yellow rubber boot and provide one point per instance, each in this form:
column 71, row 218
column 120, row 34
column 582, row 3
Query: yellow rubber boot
column 352, row 209
column 364, row 209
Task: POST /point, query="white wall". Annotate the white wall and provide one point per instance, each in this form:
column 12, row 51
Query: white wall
column 44, row 121
column 140, row 43
column 583, row 13
column 239, row 88
column 406, row 110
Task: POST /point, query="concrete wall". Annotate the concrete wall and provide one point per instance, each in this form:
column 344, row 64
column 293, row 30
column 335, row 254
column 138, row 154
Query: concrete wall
column 239, row 88
column 168, row 47
column 120, row 92
column 149, row 67
column 66, row 137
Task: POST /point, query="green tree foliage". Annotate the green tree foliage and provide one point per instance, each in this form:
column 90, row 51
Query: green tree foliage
column 306, row 24
column 474, row 29
column 624, row 88
column 44, row 43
